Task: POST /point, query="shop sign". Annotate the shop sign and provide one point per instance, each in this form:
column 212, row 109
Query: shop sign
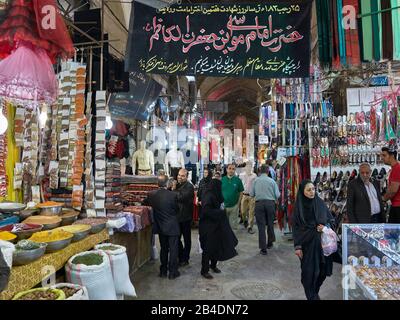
column 265, row 40
column 143, row 92
column 263, row 139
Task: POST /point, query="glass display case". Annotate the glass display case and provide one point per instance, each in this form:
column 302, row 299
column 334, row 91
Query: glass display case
column 371, row 261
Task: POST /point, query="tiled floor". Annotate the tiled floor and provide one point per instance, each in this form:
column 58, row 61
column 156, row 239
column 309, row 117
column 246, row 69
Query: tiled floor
column 247, row 276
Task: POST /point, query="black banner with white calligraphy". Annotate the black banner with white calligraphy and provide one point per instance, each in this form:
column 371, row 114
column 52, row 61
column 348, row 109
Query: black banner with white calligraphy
column 269, row 40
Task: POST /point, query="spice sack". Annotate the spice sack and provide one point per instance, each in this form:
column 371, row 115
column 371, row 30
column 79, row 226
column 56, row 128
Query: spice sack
column 120, row 268
column 97, row 279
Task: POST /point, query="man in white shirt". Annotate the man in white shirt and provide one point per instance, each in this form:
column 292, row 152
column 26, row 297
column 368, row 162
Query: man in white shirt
column 248, row 203
column 364, row 201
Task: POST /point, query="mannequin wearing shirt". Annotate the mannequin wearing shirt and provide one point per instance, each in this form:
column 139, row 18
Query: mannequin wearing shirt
column 174, row 161
column 248, row 203
column 144, row 159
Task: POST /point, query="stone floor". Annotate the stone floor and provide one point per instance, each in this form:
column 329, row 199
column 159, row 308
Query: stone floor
column 248, row 276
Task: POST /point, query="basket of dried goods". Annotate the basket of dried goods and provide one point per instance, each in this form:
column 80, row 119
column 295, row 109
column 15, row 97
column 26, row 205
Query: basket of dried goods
column 68, row 217
column 55, row 239
column 48, row 222
column 97, row 224
column 27, row 251
column 80, row 231
column 11, row 207
column 8, row 236
column 22, row 230
column 50, row 208
column 73, row 291
column 40, row 294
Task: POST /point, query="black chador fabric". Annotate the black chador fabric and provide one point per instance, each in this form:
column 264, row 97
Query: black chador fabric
column 216, row 235
column 308, row 214
column 203, row 185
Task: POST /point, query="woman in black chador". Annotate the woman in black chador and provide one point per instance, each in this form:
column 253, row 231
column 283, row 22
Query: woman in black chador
column 217, row 239
column 310, row 216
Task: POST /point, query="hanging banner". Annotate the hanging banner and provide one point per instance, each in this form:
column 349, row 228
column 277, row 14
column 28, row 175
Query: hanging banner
column 238, row 145
column 270, row 40
column 228, row 147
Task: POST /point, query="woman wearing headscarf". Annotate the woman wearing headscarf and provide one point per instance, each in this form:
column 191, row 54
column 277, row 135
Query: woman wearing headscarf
column 217, row 239
column 207, row 176
column 310, row 216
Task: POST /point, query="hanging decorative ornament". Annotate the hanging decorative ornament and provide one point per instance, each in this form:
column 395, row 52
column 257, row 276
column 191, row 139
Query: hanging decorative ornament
column 39, row 23
column 27, row 76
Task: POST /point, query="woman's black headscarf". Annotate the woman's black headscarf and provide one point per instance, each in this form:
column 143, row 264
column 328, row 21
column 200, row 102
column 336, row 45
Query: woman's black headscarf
column 306, row 207
column 215, row 188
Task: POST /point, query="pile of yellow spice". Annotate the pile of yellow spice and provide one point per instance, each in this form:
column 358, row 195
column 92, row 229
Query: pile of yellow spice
column 51, row 236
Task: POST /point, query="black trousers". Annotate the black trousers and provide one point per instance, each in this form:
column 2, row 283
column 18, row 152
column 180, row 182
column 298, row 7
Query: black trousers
column 265, row 215
column 377, row 218
column 186, row 232
column 394, row 215
column 206, row 263
column 169, row 246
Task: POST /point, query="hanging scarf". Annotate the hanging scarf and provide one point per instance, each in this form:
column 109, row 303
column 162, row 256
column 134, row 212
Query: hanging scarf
column 376, row 30
column 366, row 23
column 387, row 33
column 342, row 39
column 352, row 39
column 396, row 29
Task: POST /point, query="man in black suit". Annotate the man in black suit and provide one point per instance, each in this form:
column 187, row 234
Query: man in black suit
column 364, row 200
column 185, row 192
column 165, row 208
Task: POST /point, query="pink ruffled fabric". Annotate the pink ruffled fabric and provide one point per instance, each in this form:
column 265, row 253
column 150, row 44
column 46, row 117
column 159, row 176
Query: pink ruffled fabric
column 27, row 76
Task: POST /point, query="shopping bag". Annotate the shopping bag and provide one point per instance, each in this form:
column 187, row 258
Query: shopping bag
column 329, row 241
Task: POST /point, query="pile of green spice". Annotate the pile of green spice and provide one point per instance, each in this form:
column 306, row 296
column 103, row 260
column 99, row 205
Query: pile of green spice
column 90, row 259
column 111, row 248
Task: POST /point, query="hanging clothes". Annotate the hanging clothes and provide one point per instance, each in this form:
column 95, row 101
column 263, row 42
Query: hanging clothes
column 352, row 39
column 335, row 36
column 324, row 32
column 387, row 33
column 23, row 22
column 396, row 29
column 376, row 30
column 366, row 23
column 342, row 39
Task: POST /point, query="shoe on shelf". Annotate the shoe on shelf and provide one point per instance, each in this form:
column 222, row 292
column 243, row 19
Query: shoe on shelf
column 207, row 276
column 216, row 270
column 173, row 276
column 251, row 231
column 270, row 245
column 183, row 263
column 263, row 252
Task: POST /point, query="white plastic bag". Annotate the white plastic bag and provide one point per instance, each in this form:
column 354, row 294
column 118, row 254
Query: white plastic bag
column 329, row 241
column 7, row 248
column 154, row 250
column 81, row 294
column 97, row 279
column 120, row 269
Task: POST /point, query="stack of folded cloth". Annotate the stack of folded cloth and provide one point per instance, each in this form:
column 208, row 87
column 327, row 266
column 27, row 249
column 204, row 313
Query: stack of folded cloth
column 113, row 202
column 138, row 218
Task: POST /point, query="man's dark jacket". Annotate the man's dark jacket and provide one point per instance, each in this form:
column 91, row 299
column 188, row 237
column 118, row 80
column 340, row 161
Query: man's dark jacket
column 185, row 194
column 358, row 203
column 165, row 209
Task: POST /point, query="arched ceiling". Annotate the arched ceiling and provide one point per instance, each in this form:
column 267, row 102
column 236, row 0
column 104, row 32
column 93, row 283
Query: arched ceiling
column 243, row 96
